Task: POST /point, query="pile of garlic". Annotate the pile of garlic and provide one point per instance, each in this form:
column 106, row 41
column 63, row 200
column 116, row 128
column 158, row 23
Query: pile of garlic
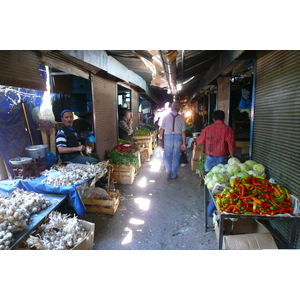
column 15, row 212
column 73, row 173
column 59, row 233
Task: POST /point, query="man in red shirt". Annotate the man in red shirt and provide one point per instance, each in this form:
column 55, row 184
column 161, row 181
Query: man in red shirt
column 219, row 142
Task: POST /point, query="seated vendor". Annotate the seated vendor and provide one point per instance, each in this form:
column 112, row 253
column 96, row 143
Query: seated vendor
column 70, row 143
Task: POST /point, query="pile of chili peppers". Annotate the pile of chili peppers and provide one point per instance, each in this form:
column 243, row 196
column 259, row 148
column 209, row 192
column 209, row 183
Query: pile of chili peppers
column 254, row 195
column 126, row 148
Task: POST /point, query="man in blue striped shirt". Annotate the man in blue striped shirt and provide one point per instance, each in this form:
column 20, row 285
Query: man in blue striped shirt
column 69, row 142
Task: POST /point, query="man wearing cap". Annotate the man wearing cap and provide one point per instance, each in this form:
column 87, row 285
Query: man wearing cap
column 174, row 129
column 69, row 142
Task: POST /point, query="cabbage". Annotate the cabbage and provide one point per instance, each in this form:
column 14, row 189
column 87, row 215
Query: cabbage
column 241, row 174
column 226, row 166
column 252, row 172
column 259, row 168
column 233, row 161
column 220, row 165
column 210, row 185
column 215, row 169
column 250, row 163
column 227, row 174
column 220, row 177
column 244, row 167
column 233, row 169
column 223, row 170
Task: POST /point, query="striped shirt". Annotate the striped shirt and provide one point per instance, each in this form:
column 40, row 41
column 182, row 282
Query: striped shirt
column 61, row 138
column 218, row 139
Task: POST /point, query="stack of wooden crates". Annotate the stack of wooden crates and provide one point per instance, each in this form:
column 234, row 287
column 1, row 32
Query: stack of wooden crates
column 147, row 149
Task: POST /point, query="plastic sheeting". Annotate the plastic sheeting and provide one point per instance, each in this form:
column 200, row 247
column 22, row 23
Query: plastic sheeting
column 36, row 185
column 14, row 134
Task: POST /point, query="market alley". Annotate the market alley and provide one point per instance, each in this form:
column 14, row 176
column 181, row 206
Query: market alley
column 156, row 214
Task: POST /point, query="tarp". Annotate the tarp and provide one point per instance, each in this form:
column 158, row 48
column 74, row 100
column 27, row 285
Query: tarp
column 36, row 185
column 14, row 134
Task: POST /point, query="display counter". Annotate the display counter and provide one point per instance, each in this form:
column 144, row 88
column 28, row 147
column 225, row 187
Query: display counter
column 284, row 229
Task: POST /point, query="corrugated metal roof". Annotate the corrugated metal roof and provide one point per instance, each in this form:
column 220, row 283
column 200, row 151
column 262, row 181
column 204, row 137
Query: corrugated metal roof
column 190, row 65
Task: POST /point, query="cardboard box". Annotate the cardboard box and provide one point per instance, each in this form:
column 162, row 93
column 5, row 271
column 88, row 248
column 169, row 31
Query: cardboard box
column 194, row 165
column 88, row 242
column 243, row 234
column 197, row 152
column 251, row 241
column 242, row 144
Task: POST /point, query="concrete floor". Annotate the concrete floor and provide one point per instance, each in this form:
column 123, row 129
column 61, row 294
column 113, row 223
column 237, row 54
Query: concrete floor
column 156, row 214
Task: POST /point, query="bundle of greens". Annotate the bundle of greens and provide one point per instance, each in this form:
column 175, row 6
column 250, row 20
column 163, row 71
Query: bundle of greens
column 118, row 158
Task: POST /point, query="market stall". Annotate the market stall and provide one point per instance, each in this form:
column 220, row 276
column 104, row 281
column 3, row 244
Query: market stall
column 19, row 220
column 248, row 198
column 70, row 180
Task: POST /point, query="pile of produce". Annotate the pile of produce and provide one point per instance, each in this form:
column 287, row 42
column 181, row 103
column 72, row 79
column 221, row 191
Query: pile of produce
column 118, row 158
column 58, row 233
column 223, row 174
column 127, row 148
column 254, row 195
column 121, row 141
column 143, row 131
column 73, row 173
column 15, row 212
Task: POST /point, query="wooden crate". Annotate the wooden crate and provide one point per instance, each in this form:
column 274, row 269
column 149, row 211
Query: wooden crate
column 103, row 206
column 146, row 141
column 138, row 154
column 145, row 155
column 123, row 174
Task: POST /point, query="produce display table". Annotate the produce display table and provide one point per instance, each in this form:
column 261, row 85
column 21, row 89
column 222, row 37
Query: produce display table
column 285, row 229
column 37, row 219
column 35, row 185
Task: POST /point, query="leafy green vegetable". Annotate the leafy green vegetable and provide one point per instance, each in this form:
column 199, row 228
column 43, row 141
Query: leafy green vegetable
column 233, row 161
column 244, row 167
column 201, row 163
column 120, row 141
column 250, row 163
column 233, row 169
column 259, row 168
column 142, row 132
column 119, row 158
column 221, row 178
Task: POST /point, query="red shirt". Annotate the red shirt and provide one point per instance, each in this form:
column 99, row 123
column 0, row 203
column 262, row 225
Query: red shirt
column 218, row 139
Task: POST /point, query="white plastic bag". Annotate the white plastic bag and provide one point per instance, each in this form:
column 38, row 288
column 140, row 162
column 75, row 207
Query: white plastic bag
column 95, row 193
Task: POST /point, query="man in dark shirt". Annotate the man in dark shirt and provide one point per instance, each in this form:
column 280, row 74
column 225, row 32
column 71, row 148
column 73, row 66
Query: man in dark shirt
column 125, row 126
column 69, row 142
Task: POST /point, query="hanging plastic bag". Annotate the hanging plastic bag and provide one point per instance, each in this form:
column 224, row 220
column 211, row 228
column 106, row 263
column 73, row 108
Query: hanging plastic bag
column 52, row 159
column 183, row 157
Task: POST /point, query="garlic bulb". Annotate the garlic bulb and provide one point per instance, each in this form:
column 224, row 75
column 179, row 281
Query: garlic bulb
column 15, row 212
column 59, row 233
column 72, row 173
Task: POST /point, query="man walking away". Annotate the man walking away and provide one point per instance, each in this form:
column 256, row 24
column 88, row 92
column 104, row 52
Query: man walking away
column 174, row 129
